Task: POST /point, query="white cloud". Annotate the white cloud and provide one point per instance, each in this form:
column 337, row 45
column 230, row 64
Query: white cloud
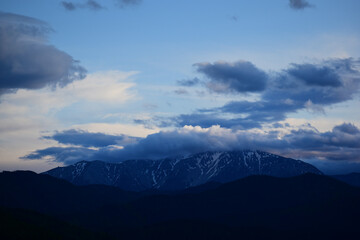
column 110, row 86
column 117, row 128
column 27, row 114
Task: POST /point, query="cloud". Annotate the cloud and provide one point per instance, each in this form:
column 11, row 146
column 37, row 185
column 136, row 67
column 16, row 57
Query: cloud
column 68, row 5
column 109, row 86
column 95, row 5
column 336, row 81
column 234, row 18
column 209, row 119
column 22, row 38
column 313, row 75
column 347, row 128
column 167, row 143
column 339, row 144
column 241, row 115
column 67, row 155
column 89, row 139
column 184, row 141
column 97, row 90
column 92, row 104
column 260, row 111
column 181, row 92
column 237, row 77
column 342, row 143
column 118, row 129
column 310, row 87
column 188, row 82
column 345, row 135
column 299, row 4
column 90, row 4
column 125, row 3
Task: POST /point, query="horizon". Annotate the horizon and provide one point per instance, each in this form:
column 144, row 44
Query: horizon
column 327, row 172
column 116, row 80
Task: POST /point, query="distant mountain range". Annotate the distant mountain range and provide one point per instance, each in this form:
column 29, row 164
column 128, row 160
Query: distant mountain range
column 309, row 206
column 182, row 173
column 211, row 195
column 351, row 178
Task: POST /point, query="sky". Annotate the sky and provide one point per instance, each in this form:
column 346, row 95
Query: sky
column 114, row 80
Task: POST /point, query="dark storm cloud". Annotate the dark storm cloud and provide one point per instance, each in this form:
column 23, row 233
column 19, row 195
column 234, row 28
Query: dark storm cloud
column 67, row 155
column 347, row 128
column 313, row 75
column 342, row 143
column 299, row 4
column 332, row 81
column 90, row 4
column 252, row 115
column 260, row 111
column 68, row 5
column 88, row 139
column 188, row 82
column 345, row 135
column 237, row 77
column 28, row 61
column 154, row 146
column 309, row 87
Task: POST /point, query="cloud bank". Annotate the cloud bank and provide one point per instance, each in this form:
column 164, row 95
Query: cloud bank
column 27, row 61
column 342, row 143
column 237, row 77
column 88, row 139
column 306, row 86
column 299, row 4
column 90, row 4
column 238, row 124
column 95, row 5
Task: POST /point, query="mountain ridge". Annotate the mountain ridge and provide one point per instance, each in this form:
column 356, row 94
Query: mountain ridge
column 351, row 178
column 308, row 206
column 184, row 172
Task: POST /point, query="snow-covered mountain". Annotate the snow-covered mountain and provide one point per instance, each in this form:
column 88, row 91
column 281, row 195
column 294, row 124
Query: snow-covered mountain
column 181, row 173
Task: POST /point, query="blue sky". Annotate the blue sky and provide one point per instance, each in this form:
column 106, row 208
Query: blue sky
column 150, row 79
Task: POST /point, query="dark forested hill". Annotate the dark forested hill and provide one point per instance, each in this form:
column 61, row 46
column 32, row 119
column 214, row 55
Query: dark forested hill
column 303, row 207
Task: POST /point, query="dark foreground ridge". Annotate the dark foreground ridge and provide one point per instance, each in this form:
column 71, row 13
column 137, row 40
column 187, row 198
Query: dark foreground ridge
column 308, row 206
column 182, row 173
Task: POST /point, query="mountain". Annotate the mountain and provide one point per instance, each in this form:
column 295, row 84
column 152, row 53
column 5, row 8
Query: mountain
column 46, row 194
column 182, row 173
column 18, row 224
column 351, row 178
column 256, row 207
column 302, row 207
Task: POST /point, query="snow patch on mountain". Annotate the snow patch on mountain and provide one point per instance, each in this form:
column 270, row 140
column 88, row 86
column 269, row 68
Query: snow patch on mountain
column 184, row 172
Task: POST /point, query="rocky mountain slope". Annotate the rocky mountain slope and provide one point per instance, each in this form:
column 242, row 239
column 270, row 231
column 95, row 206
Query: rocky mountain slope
column 181, row 173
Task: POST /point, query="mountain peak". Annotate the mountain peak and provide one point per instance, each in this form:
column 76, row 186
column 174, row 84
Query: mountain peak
column 184, row 172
